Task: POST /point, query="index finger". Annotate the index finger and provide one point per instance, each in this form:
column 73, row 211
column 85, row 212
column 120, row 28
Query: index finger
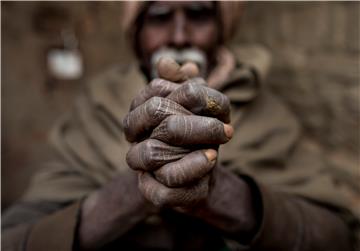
column 163, row 86
column 201, row 100
column 157, row 87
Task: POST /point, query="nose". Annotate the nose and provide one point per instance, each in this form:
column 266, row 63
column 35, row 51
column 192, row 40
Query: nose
column 179, row 37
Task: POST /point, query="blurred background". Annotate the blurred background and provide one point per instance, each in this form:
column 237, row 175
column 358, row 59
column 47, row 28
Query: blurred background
column 316, row 70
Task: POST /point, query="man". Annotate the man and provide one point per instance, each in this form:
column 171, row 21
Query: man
column 262, row 189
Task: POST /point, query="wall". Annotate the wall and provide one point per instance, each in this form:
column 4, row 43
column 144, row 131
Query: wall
column 315, row 49
column 31, row 101
column 316, row 67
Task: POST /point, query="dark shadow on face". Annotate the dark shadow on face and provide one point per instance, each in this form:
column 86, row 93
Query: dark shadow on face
column 177, row 25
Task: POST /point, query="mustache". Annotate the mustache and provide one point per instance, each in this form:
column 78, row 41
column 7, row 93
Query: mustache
column 181, row 56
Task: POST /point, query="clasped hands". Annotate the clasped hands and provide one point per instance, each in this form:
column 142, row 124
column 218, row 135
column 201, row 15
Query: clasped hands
column 176, row 130
column 176, row 125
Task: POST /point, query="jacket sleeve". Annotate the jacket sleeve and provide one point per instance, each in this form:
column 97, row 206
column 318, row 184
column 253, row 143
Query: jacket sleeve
column 39, row 226
column 90, row 150
column 290, row 222
column 306, row 203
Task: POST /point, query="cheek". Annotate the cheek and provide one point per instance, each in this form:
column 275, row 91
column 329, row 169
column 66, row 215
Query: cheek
column 152, row 39
column 205, row 37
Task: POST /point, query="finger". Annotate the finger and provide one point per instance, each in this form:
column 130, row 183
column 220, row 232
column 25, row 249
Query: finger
column 170, row 70
column 202, row 100
column 161, row 196
column 157, row 87
column 187, row 170
column 188, row 130
column 139, row 122
column 190, row 69
column 162, row 87
column 151, row 154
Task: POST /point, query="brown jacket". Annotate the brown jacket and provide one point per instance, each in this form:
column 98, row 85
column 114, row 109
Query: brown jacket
column 288, row 171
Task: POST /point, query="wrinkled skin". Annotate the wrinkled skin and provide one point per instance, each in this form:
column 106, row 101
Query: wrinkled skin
column 166, row 121
column 176, row 160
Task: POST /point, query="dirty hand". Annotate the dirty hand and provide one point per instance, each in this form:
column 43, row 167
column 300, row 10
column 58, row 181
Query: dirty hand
column 120, row 200
column 176, row 129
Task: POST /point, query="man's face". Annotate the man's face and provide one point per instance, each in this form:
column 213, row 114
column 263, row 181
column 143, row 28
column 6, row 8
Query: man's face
column 178, row 26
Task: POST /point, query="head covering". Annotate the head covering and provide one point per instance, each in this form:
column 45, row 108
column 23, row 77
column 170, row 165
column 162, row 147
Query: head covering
column 229, row 14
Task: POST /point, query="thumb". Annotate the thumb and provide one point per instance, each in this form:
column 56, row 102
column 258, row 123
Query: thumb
column 190, row 69
column 170, row 70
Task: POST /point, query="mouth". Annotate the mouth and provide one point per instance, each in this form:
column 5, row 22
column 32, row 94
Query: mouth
column 181, row 57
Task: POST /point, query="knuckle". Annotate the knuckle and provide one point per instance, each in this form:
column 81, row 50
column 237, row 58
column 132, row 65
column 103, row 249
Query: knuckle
column 175, row 120
column 126, row 122
column 148, row 153
column 197, row 80
column 127, row 127
column 155, row 84
column 153, row 108
column 159, row 108
column 130, row 159
column 193, row 97
column 140, row 156
column 143, row 156
column 160, row 132
column 192, row 90
column 171, row 125
column 162, row 87
column 152, row 105
column 134, row 104
column 147, row 145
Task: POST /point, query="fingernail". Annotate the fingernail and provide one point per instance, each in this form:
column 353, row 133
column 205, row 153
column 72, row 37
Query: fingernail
column 229, row 131
column 210, row 154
